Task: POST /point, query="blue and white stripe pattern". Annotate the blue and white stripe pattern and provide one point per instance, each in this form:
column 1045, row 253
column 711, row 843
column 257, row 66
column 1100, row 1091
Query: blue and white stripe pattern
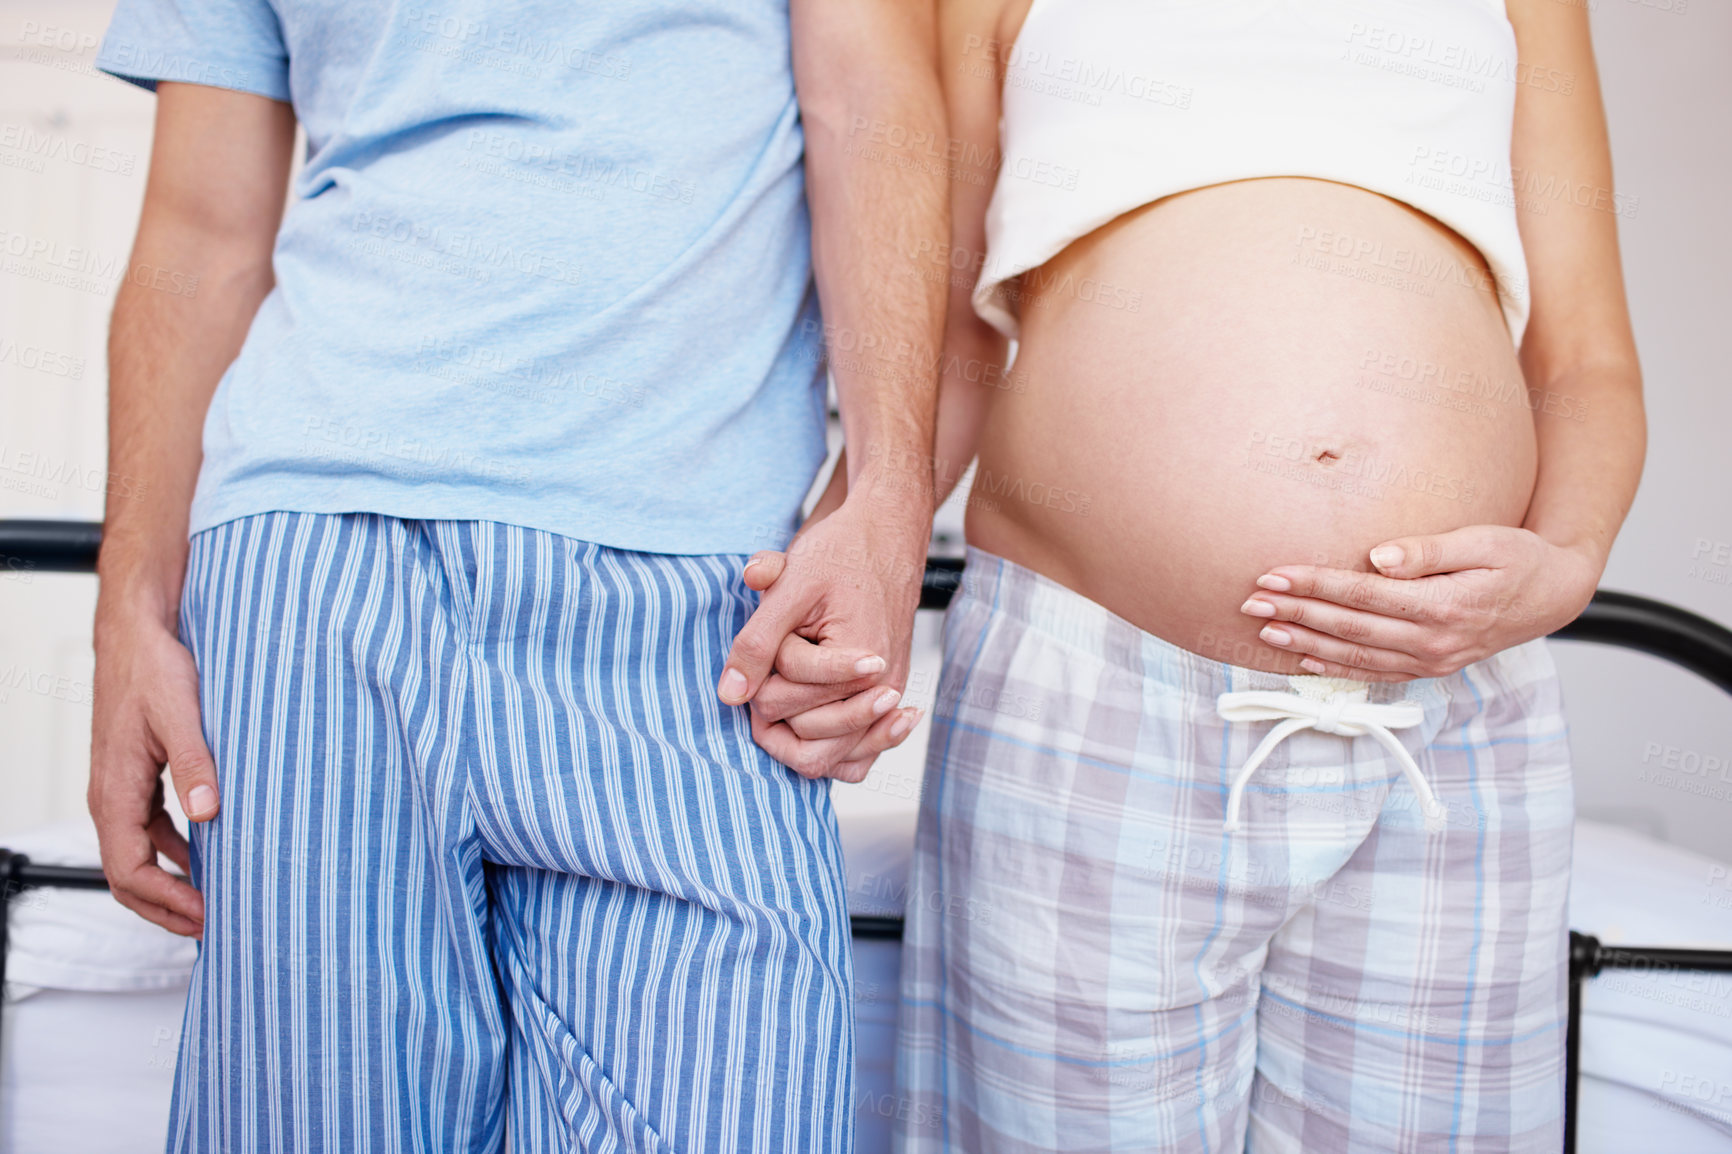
column 495, row 870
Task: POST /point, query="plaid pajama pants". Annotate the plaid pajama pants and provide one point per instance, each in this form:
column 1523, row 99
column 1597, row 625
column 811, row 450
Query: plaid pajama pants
column 1092, row 964
column 495, row 870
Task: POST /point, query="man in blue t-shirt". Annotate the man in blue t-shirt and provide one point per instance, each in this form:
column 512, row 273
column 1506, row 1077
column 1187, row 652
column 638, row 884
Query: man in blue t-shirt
column 448, row 474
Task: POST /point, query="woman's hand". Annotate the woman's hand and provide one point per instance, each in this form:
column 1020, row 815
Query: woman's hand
column 1436, row 604
column 825, row 708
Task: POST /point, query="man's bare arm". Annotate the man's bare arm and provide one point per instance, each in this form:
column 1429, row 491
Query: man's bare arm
column 876, row 181
column 972, row 42
column 218, row 173
column 876, row 143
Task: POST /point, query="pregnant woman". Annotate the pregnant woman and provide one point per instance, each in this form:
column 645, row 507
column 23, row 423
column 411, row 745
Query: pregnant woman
column 1229, row 841
column 1247, row 816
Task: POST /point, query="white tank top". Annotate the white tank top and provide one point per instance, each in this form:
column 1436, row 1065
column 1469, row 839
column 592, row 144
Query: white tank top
column 1112, row 104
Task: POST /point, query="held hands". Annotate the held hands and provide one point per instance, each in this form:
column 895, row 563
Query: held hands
column 1437, row 603
column 824, row 658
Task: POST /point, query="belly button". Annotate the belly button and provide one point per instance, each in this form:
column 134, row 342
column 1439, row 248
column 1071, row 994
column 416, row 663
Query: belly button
column 1328, row 455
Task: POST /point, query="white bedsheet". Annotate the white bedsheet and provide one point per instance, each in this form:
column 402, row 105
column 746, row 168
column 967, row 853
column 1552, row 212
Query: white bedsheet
column 93, row 1005
column 92, row 1025
column 83, row 1072
column 1656, row 1046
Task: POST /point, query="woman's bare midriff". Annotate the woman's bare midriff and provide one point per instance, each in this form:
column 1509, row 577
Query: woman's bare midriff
column 1268, row 372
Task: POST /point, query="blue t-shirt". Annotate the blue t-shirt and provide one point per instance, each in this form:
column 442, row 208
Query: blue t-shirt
column 547, row 263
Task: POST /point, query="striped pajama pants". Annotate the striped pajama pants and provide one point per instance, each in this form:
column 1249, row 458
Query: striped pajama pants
column 495, row 870
column 1094, row 964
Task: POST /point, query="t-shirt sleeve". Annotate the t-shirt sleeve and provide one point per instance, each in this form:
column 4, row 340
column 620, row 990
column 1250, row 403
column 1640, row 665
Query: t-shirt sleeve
column 234, row 44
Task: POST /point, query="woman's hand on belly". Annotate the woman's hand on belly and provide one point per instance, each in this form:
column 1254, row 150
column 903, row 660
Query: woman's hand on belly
column 1450, row 599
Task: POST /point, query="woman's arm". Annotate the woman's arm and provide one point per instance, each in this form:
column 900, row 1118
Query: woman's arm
column 1579, row 354
column 974, row 40
column 1484, row 588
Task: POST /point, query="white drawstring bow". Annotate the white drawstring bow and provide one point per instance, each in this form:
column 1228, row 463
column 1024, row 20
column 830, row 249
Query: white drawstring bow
column 1328, row 705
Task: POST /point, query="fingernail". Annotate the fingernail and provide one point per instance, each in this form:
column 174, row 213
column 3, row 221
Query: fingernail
column 1276, row 636
column 1273, row 583
column 733, row 687
column 1311, row 665
column 885, row 702
column 870, row 665
column 1257, row 608
column 200, row 801
column 1386, row 556
column 900, row 727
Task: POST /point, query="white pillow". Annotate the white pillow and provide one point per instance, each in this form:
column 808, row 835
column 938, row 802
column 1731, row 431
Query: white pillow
column 83, row 939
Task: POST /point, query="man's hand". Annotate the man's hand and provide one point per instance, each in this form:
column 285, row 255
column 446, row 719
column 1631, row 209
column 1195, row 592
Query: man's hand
column 824, row 658
column 219, row 166
column 1437, row 603
column 147, row 714
column 852, row 579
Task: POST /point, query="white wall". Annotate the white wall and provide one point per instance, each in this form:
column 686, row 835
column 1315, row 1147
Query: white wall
column 1668, row 89
column 73, row 221
column 1667, row 76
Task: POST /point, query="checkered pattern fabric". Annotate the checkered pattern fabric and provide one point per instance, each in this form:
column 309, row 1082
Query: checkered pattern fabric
column 1093, row 964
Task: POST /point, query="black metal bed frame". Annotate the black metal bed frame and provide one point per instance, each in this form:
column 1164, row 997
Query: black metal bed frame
column 1622, row 619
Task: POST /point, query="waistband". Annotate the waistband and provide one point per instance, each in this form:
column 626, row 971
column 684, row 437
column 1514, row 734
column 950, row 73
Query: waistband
column 1044, row 605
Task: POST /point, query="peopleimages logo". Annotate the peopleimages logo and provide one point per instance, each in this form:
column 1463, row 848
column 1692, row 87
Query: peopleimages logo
column 43, row 684
column 466, row 363
column 1075, row 78
column 1495, row 180
column 535, row 46
column 27, row 141
column 582, row 169
column 41, row 360
column 74, row 40
column 42, row 474
column 70, row 258
column 134, row 60
column 461, row 254
column 44, row 259
column 336, row 440
column 1425, row 57
column 58, row 47
column 1421, row 268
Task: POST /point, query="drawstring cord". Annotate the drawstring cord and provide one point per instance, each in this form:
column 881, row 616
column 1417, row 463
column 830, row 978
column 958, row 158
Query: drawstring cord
column 1328, row 705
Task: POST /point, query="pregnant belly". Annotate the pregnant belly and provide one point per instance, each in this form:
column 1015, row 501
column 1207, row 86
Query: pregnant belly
column 1261, row 373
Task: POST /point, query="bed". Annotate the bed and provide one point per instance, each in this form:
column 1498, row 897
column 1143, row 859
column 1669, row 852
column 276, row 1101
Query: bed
column 93, row 995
